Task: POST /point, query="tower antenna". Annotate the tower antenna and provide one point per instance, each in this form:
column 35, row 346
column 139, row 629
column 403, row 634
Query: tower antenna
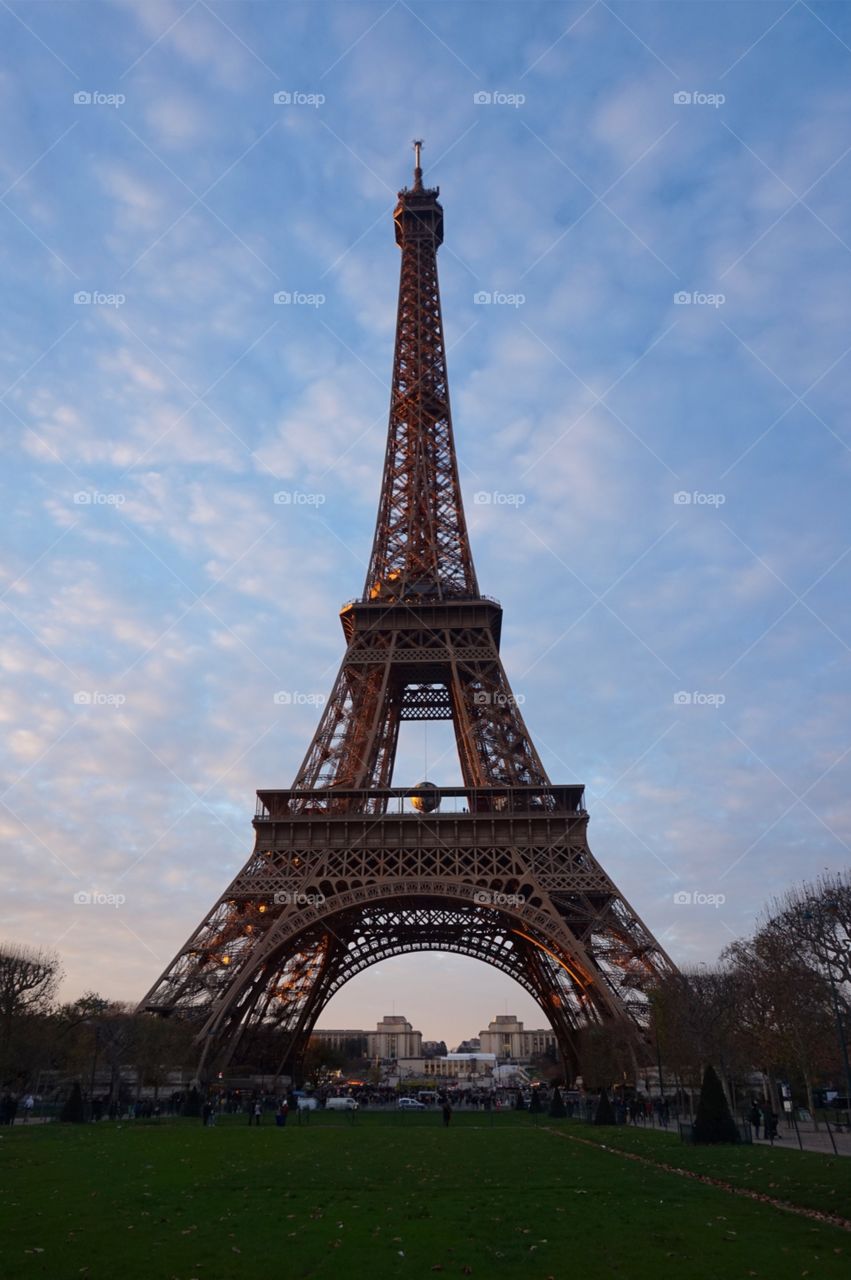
column 418, row 172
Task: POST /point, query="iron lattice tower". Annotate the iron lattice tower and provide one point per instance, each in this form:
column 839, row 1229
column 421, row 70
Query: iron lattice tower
column 348, row 870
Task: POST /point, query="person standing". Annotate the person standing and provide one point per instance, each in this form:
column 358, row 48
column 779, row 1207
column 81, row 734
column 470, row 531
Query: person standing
column 447, row 1114
column 255, row 1113
column 28, row 1104
column 755, row 1118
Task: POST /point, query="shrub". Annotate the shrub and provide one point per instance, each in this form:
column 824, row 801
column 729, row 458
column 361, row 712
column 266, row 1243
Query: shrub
column 557, row 1110
column 604, row 1113
column 72, row 1111
column 713, row 1122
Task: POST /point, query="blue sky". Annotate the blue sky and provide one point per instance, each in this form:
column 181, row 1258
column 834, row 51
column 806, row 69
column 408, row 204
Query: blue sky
column 181, row 398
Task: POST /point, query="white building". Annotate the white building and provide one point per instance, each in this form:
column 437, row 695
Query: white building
column 394, row 1037
column 507, row 1039
column 473, row 1068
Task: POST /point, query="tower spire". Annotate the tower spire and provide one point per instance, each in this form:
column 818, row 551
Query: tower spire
column 421, row 549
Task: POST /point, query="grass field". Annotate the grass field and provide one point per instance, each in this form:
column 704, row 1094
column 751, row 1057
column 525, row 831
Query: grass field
column 383, row 1198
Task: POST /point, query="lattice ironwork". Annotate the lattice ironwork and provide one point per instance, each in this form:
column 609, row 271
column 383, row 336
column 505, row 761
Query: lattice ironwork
column 345, row 870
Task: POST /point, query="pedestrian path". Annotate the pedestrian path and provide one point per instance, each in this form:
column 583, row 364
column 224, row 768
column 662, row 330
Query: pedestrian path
column 811, row 1140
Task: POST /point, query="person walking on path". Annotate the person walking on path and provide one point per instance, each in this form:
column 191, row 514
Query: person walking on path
column 769, row 1122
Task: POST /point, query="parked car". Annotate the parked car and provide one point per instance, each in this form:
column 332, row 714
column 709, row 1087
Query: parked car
column 307, row 1104
column 341, row 1104
column 411, row 1104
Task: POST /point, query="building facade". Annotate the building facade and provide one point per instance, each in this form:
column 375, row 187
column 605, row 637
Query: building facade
column 393, row 1038
column 342, row 1041
column 507, row 1038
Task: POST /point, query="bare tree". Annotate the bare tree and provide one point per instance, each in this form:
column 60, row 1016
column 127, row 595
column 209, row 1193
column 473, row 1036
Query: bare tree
column 783, row 1008
column 608, row 1054
column 28, row 981
column 807, row 933
column 816, row 920
column 694, row 1025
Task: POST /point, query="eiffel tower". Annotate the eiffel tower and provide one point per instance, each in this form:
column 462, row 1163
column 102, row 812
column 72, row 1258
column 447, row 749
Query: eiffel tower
column 348, row 870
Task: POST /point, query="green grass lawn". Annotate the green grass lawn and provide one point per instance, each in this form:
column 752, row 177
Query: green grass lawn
column 386, row 1198
column 806, row 1178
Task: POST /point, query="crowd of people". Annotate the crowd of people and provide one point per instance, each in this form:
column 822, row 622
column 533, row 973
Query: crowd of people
column 635, row 1109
